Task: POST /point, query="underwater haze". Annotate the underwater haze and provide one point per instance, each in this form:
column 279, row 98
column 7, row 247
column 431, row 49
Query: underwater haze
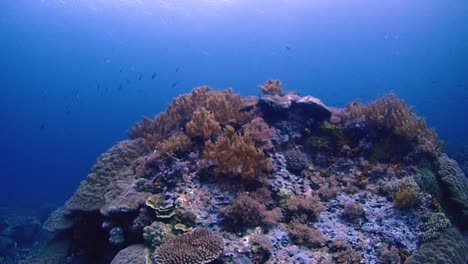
column 76, row 75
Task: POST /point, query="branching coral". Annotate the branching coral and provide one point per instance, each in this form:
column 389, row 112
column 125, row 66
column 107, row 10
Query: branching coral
column 272, row 87
column 198, row 247
column 203, row 124
column 236, row 156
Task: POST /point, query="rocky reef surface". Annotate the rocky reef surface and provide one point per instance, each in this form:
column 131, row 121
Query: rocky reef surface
column 218, row 178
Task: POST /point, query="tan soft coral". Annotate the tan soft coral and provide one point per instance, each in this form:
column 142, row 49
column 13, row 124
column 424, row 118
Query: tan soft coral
column 272, row 87
column 225, row 105
column 392, row 113
column 260, row 132
column 203, row 124
column 236, row 156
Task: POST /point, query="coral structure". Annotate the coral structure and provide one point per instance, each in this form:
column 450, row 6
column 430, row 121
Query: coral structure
column 175, row 145
column 134, row 254
column 456, row 184
column 272, row 87
column 198, row 247
column 391, row 113
column 296, row 160
column 435, row 223
column 236, row 156
column 302, row 234
column 281, row 178
column 203, row 124
column 246, row 211
column 353, row 210
column 155, row 233
column 261, row 248
column 224, row 105
column 449, row 248
column 111, row 166
column 406, row 196
column 59, row 220
column 260, row 132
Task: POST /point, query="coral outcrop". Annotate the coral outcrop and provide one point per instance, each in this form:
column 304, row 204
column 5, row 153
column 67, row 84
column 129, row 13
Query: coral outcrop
column 280, row 178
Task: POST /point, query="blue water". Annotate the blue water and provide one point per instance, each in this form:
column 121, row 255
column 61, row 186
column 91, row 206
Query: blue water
column 62, row 63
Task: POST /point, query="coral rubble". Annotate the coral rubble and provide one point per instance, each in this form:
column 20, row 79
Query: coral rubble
column 218, row 178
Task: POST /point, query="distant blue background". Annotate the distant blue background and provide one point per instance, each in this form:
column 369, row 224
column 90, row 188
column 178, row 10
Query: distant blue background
column 54, row 54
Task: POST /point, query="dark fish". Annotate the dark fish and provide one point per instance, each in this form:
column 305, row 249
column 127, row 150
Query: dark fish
column 127, row 81
column 174, row 84
column 121, row 70
column 120, row 88
column 43, row 126
column 141, row 77
column 177, row 69
column 154, row 75
column 288, row 48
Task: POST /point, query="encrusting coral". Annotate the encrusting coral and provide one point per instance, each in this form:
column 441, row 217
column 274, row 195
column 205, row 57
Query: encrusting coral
column 273, row 179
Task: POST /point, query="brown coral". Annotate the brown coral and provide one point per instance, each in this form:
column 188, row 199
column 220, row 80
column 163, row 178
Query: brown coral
column 392, row 113
column 406, row 196
column 225, row 105
column 113, row 165
column 203, row 124
column 304, row 235
column 236, row 156
column 246, row 211
column 197, row 247
column 260, row 132
column 175, row 145
column 272, row 87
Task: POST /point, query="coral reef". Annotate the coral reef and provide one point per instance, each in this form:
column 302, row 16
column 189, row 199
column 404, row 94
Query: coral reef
column 134, row 254
column 273, row 179
column 449, row 248
column 272, row 87
column 198, row 247
column 236, row 156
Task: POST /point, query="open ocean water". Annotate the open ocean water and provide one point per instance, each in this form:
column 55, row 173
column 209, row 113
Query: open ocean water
column 76, row 75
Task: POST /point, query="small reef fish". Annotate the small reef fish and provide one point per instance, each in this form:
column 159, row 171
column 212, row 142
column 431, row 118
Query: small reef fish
column 120, row 88
column 128, row 81
column 288, row 48
column 154, row 75
column 141, row 77
column 174, row 84
column 177, row 69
